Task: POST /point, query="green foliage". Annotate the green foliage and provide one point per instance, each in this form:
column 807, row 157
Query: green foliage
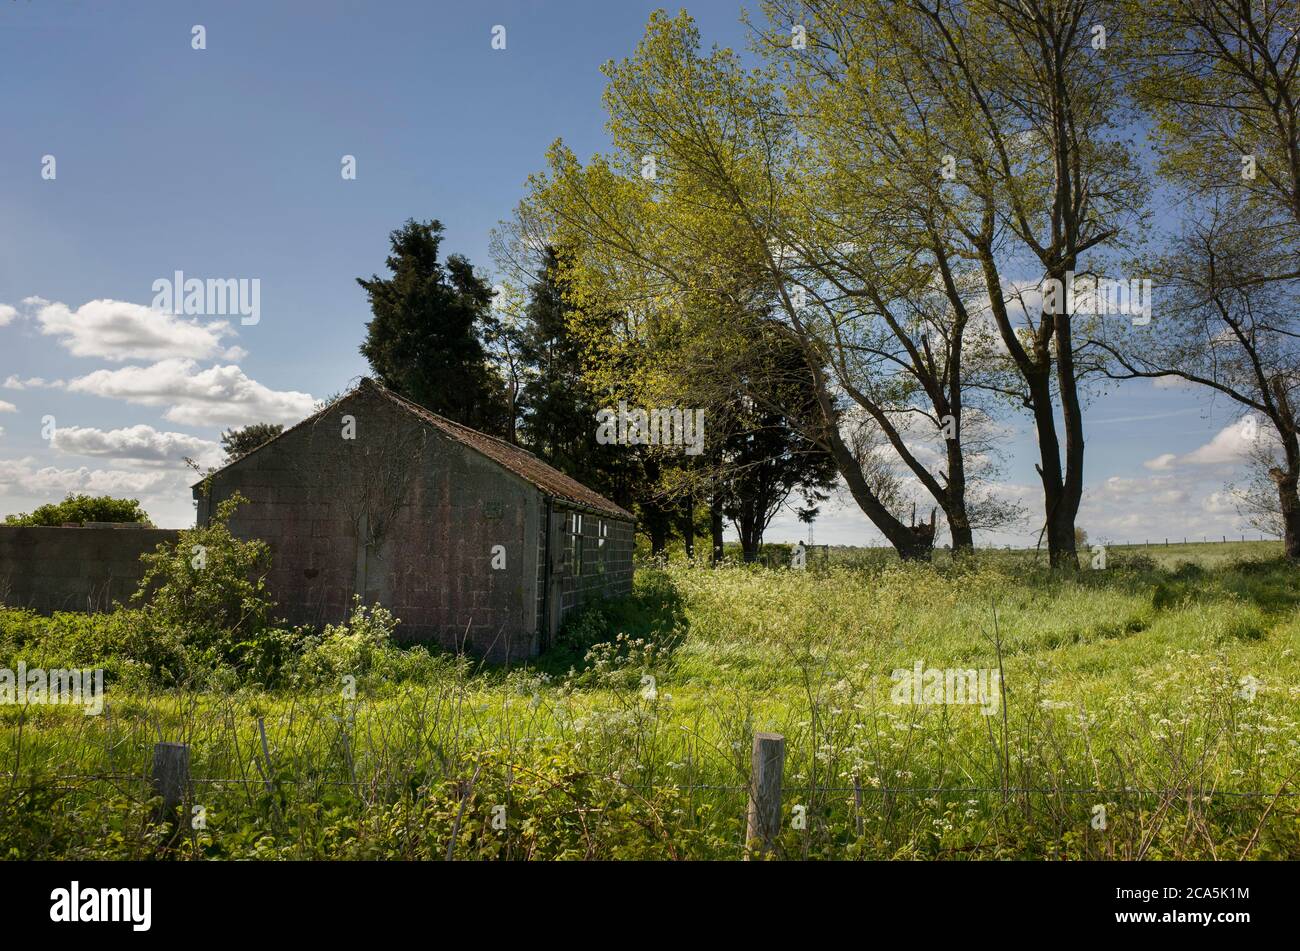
column 133, row 652
column 209, row 588
column 83, row 508
column 363, row 647
column 242, row 441
column 425, row 338
column 1117, row 694
column 557, row 405
column 653, row 616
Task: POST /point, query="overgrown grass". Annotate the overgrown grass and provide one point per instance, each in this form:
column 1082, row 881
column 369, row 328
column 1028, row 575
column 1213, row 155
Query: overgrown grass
column 1123, row 690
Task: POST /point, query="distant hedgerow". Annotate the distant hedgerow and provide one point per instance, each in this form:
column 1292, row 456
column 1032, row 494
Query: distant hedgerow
column 83, row 508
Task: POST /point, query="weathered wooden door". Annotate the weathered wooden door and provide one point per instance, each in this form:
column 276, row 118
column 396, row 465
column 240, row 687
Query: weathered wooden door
column 556, row 566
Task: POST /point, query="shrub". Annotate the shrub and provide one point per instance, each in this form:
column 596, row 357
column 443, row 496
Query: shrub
column 122, row 642
column 209, row 588
column 83, row 508
column 653, row 613
column 1132, row 562
column 363, row 646
column 355, row 647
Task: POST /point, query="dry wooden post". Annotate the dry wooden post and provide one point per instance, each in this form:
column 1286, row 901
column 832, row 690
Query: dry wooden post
column 857, row 803
column 266, row 754
column 171, row 775
column 763, row 823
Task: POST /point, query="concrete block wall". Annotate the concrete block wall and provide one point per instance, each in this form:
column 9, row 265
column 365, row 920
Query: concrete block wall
column 539, row 600
column 294, row 508
column 606, row 569
column 464, row 513
column 73, row 569
column 401, row 515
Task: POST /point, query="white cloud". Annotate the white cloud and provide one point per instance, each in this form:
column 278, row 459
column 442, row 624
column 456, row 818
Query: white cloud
column 1229, row 446
column 163, row 492
column 1161, row 463
column 217, row 396
column 120, row 330
column 31, row 383
column 136, row 443
column 52, row 483
column 1120, row 486
column 7, row 313
column 7, row 407
column 1121, row 509
column 1221, row 502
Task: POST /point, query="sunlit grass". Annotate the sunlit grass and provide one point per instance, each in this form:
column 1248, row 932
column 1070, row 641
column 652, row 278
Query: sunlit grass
column 1124, row 690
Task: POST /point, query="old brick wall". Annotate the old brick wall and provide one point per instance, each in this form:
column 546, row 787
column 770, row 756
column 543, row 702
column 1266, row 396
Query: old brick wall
column 400, row 514
column 73, row 569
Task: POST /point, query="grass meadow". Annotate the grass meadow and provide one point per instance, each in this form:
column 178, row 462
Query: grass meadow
column 1146, row 711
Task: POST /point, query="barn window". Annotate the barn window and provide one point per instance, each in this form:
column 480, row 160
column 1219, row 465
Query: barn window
column 575, row 543
column 602, row 544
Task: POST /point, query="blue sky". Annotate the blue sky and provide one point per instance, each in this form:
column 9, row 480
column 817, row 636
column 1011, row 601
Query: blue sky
column 225, row 163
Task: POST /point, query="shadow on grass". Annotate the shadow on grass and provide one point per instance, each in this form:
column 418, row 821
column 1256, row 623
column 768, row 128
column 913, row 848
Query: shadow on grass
column 655, row 612
column 1272, row 585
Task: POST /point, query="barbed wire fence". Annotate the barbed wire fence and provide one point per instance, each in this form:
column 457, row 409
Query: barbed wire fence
column 322, row 745
column 767, row 798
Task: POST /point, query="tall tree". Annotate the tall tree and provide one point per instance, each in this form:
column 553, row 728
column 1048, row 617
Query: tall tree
column 768, row 461
column 1009, row 110
column 572, row 363
column 425, row 340
column 1223, row 329
column 559, row 410
column 713, row 191
column 1222, row 83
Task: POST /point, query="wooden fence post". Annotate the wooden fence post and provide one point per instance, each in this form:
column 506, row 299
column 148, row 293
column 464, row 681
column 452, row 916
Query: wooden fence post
column 763, row 823
column 857, row 804
column 171, row 775
column 266, row 755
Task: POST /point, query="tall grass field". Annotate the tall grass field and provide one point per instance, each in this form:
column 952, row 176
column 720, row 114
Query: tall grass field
column 1145, row 711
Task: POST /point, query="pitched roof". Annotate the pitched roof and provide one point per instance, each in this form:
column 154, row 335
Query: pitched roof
column 548, row 479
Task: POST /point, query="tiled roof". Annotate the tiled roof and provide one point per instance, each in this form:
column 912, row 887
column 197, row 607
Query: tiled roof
column 522, row 463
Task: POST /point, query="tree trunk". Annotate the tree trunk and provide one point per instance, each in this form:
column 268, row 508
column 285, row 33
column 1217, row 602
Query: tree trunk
column 688, row 527
column 1062, row 489
column 963, row 538
column 751, row 535
column 1058, row 513
column 953, row 500
column 1284, row 419
column 909, row 546
column 657, row 527
column 1289, row 499
column 1067, row 509
column 715, row 528
column 906, row 541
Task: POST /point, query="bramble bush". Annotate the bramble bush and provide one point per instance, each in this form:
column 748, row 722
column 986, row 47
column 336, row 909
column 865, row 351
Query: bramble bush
column 209, row 590
column 132, row 653
column 363, row 647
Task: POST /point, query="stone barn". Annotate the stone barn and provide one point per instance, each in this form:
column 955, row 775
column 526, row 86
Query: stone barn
column 475, row 544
